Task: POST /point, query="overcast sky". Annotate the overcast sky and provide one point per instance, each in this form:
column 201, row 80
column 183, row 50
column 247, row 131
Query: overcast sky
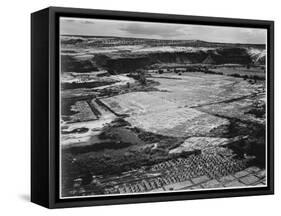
column 99, row 27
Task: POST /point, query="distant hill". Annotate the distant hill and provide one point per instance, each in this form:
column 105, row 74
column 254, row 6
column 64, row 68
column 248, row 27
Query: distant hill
column 107, row 41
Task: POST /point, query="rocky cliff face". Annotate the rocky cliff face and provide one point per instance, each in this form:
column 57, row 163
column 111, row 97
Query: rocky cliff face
column 220, row 56
column 127, row 64
column 72, row 64
column 132, row 54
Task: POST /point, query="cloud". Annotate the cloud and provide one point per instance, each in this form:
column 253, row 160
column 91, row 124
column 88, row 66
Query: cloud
column 100, row 27
column 68, row 20
column 87, row 22
column 78, row 21
column 148, row 29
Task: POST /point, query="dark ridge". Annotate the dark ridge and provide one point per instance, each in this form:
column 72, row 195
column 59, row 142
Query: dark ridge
column 70, row 64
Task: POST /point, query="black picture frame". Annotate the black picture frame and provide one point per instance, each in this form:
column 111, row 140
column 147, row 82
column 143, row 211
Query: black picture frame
column 45, row 103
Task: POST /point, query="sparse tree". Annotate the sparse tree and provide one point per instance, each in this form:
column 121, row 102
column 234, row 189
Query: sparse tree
column 142, row 77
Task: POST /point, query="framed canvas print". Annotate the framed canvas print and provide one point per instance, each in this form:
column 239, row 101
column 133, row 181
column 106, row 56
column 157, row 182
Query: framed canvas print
column 138, row 107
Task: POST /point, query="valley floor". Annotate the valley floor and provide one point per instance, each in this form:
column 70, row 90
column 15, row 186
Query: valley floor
column 190, row 131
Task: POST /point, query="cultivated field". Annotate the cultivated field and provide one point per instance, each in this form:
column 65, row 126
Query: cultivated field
column 182, row 115
column 144, row 115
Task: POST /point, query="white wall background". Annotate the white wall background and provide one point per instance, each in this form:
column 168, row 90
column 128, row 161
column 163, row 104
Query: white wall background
column 15, row 106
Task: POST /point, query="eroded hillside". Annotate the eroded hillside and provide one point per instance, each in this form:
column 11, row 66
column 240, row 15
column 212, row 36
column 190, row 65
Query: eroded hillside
column 123, row 55
column 141, row 115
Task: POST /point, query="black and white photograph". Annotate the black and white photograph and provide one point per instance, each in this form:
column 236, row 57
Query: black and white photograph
column 151, row 107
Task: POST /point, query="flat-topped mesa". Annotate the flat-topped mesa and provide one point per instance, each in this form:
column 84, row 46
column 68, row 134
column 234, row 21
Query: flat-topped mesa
column 122, row 55
column 125, row 63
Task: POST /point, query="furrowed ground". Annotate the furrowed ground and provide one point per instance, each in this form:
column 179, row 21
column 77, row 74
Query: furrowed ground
column 190, row 131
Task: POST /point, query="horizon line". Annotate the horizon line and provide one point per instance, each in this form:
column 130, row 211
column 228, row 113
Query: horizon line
column 237, row 43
